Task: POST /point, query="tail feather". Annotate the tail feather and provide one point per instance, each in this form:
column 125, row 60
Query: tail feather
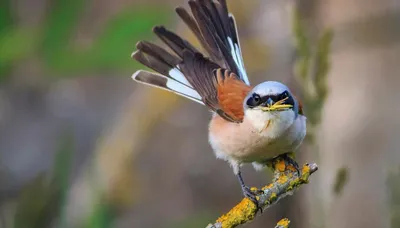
column 152, row 62
column 166, row 83
column 236, row 49
column 190, row 22
column 160, row 60
column 188, row 72
column 158, row 53
column 216, row 30
column 176, row 43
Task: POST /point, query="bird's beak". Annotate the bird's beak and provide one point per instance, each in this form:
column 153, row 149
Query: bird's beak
column 277, row 106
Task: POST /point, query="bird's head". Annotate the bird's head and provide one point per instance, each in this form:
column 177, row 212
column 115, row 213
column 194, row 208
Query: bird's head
column 271, row 102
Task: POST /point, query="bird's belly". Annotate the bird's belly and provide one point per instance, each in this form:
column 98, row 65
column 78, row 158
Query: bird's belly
column 258, row 147
column 266, row 149
column 246, row 144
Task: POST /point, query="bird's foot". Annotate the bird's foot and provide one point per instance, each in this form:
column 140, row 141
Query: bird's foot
column 289, row 161
column 252, row 195
column 283, row 162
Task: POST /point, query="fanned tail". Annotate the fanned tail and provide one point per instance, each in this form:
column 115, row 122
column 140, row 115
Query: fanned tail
column 216, row 30
column 170, row 76
column 186, row 71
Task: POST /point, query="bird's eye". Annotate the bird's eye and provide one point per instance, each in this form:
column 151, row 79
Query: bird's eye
column 284, row 95
column 254, row 100
column 288, row 98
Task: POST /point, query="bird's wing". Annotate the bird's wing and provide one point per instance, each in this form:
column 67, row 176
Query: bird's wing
column 187, row 71
column 222, row 91
column 189, row 74
column 231, row 94
column 216, row 30
column 215, row 84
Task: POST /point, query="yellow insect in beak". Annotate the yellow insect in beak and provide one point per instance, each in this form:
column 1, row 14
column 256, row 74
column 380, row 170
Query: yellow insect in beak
column 277, row 106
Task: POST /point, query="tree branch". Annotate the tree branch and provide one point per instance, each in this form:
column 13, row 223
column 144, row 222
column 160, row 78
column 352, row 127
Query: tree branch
column 285, row 182
column 283, row 223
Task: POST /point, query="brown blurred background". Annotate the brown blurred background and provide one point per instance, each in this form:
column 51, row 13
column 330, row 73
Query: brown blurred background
column 82, row 145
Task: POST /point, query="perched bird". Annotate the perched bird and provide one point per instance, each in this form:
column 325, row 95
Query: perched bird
column 249, row 124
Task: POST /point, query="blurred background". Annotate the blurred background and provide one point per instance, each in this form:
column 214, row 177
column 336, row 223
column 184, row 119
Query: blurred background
column 82, row 145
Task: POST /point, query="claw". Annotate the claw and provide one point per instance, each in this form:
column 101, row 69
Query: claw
column 248, row 193
column 290, row 161
column 252, row 195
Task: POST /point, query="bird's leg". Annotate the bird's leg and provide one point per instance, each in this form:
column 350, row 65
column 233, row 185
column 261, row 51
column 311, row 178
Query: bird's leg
column 247, row 192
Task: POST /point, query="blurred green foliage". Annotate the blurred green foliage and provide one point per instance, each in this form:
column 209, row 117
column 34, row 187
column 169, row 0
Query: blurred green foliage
column 14, row 46
column 311, row 70
column 197, row 220
column 5, row 15
column 42, row 200
column 102, row 216
column 52, row 43
column 341, row 179
column 41, row 203
column 393, row 183
column 6, row 20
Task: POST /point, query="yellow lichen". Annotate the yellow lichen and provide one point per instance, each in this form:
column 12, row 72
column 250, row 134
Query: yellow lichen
column 282, row 179
column 280, row 166
column 246, row 210
column 306, row 169
column 291, row 168
column 241, row 213
column 284, row 222
column 272, row 197
column 267, row 187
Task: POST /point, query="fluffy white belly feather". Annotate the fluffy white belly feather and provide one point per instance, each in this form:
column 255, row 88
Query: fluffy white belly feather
column 250, row 141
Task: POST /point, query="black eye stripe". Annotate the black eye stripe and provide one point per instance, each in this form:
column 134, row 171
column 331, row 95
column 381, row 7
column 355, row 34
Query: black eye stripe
column 289, row 99
column 277, row 97
column 255, row 100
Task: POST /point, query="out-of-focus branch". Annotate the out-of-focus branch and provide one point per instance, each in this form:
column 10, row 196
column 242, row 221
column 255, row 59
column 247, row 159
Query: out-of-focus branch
column 122, row 142
column 311, row 70
column 110, row 179
column 285, row 182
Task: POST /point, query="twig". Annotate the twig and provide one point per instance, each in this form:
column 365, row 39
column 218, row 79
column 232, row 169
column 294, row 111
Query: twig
column 283, row 223
column 285, row 182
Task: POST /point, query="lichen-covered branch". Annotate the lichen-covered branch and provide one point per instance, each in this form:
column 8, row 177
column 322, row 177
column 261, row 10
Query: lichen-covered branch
column 283, row 223
column 285, row 182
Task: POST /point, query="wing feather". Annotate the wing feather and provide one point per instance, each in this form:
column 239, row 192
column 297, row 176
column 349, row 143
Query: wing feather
column 231, row 94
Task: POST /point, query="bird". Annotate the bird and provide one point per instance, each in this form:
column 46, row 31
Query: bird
column 249, row 124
